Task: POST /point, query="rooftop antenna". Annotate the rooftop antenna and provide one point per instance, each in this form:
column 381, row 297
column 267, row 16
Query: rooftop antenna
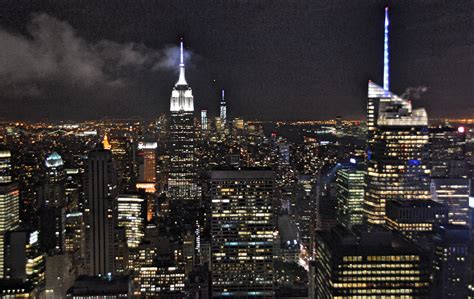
column 386, row 63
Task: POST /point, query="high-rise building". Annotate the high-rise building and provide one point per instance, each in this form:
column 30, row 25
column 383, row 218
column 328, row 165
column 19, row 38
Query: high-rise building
column 447, row 152
column 350, row 196
column 54, row 188
column 147, row 175
column 242, row 233
column 454, row 193
column 284, row 153
column 369, row 264
column 451, row 262
column 223, row 109
column 377, row 94
column 123, row 152
column 182, row 172
column 9, row 204
column 397, row 148
column 24, row 259
column 204, row 123
column 74, row 236
column 53, row 205
column 415, row 218
column 101, row 188
column 131, row 216
column 397, row 158
column 5, row 166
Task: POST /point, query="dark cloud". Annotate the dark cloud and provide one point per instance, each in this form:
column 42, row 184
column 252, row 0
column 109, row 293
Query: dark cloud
column 52, row 61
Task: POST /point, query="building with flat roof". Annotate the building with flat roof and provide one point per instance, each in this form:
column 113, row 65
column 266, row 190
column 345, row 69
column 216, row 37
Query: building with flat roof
column 370, row 262
column 415, row 217
column 100, row 287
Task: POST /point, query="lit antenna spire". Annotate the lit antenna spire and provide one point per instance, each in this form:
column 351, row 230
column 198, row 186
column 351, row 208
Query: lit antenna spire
column 223, row 100
column 182, row 79
column 386, row 70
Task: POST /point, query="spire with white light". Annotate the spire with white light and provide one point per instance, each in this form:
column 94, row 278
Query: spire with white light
column 182, row 79
column 386, row 82
column 181, row 95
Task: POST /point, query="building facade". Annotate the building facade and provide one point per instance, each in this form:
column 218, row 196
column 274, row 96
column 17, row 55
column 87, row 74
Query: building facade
column 375, row 264
column 182, row 172
column 101, row 187
column 242, row 233
column 350, row 187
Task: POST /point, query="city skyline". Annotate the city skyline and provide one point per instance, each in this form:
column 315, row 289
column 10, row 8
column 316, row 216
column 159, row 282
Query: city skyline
column 205, row 190
column 128, row 75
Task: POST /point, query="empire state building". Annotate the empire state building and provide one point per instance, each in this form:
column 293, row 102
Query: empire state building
column 182, row 172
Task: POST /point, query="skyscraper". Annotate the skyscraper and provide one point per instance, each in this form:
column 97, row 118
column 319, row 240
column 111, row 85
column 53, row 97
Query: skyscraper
column 397, row 156
column 52, row 211
column 24, row 258
column 101, row 191
column 223, row 109
column 182, row 173
column 415, row 218
column 375, row 264
column 131, row 216
column 204, row 124
column 123, row 152
column 242, row 233
column 454, row 193
column 5, row 166
column 377, row 94
column 9, row 204
column 448, row 152
column 350, row 196
column 451, row 262
column 147, row 175
column 397, row 148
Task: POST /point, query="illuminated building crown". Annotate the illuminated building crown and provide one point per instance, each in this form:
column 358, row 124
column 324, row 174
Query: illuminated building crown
column 181, row 95
column 54, row 160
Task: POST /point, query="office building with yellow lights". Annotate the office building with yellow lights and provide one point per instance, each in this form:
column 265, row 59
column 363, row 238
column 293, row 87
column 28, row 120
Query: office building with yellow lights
column 369, row 264
column 415, row 218
column 242, row 233
column 454, row 193
column 131, row 216
column 9, row 204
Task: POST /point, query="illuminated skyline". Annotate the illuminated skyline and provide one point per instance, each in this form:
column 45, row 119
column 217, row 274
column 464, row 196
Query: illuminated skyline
column 304, row 64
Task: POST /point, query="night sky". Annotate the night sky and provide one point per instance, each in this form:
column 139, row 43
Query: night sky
column 291, row 59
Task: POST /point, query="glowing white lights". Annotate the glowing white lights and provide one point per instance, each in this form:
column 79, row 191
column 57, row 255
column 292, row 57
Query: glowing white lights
column 182, row 95
column 386, row 83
